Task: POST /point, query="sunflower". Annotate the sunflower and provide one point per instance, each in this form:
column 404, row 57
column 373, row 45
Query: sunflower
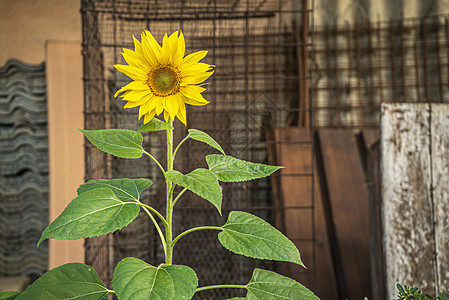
column 164, row 80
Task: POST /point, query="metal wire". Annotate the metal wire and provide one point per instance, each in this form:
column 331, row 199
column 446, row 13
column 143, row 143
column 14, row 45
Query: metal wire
column 254, row 89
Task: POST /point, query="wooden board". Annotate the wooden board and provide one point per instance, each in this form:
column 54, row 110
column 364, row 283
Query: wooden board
column 407, row 211
column 440, row 182
column 371, row 145
column 348, row 200
column 293, row 149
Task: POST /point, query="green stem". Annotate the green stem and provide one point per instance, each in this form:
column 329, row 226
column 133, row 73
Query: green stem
column 195, row 229
column 155, row 212
column 179, row 145
column 179, row 196
column 158, row 228
column 221, row 286
column 168, row 229
column 155, row 160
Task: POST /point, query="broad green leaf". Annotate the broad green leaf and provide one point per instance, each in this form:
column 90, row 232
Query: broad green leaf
column 251, row 236
column 118, row 142
column 135, row 279
column 123, row 188
column 268, row 285
column 202, row 182
column 69, row 281
column 201, row 136
column 154, row 125
column 236, row 298
column 9, row 295
column 92, row 213
column 230, row 169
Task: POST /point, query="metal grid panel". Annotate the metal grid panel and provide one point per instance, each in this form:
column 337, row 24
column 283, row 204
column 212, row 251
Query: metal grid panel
column 360, row 66
column 254, row 45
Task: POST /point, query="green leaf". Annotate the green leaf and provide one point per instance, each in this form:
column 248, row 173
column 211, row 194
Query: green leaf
column 201, row 136
column 123, row 188
column 154, row 125
column 230, row 169
column 268, row 285
column 251, row 236
column 135, row 279
column 92, row 213
column 9, row 295
column 118, row 142
column 69, row 281
column 236, row 298
column 202, row 182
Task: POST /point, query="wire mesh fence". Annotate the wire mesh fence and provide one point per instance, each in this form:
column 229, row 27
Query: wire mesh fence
column 257, row 47
column 360, row 66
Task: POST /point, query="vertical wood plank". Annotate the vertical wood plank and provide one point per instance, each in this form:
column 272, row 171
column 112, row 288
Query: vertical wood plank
column 349, row 204
column 65, row 114
column 440, row 180
column 406, row 193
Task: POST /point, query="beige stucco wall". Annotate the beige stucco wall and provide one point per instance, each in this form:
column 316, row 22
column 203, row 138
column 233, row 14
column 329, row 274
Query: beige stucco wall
column 34, row 31
column 25, row 25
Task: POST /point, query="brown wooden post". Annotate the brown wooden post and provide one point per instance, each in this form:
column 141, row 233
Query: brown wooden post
column 65, row 114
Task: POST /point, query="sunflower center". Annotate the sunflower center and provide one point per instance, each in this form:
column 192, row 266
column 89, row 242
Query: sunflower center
column 164, row 81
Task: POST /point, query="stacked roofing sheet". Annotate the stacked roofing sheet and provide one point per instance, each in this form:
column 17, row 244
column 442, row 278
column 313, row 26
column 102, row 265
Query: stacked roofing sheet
column 23, row 169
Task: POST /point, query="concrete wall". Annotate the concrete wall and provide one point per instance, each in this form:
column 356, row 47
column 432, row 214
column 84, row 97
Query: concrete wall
column 25, row 26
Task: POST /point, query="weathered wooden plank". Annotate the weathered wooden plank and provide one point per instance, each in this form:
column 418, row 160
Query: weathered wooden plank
column 440, row 179
column 349, row 204
column 293, row 150
column 406, row 192
column 371, row 149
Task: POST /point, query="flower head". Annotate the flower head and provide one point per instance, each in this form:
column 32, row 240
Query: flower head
column 164, row 80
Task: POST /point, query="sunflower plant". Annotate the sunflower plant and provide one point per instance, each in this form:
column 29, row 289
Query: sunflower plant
column 164, row 80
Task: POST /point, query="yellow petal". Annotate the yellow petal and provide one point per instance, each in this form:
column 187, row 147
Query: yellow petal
column 165, row 51
column 149, row 116
column 166, row 116
column 153, row 43
column 143, row 109
column 193, row 58
column 159, row 106
column 137, row 46
column 132, row 86
column 195, row 69
column 196, row 102
column 133, row 59
column 197, row 78
column 132, row 72
column 150, row 56
column 142, row 101
column 193, row 92
column 182, row 114
column 136, row 95
column 180, row 50
column 154, row 102
column 172, row 105
column 186, row 80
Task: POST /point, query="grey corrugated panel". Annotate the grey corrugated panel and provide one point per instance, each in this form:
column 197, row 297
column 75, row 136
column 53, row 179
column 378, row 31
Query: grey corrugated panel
column 7, row 98
column 30, row 142
column 23, row 169
column 21, row 153
column 11, row 132
column 19, row 116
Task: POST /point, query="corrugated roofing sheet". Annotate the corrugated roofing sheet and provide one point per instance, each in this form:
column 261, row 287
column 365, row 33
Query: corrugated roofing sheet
column 23, row 169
